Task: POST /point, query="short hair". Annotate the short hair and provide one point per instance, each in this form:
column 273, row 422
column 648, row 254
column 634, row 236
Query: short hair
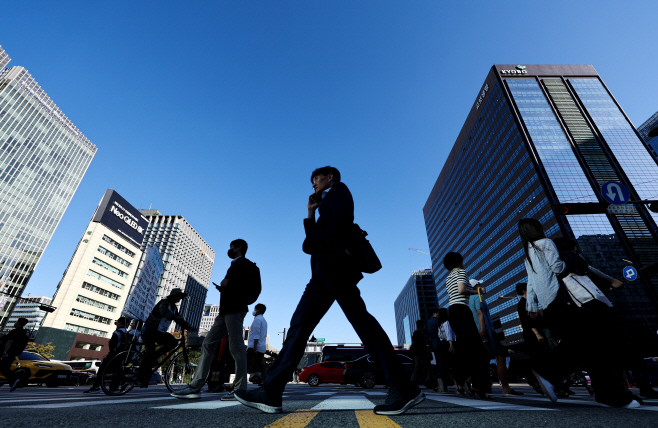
column 521, row 288
column 420, row 323
column 565, row 244
column 242, row 244
column 326, row 170
column 436, row 311
column 123, row 320
column 260, row 307
column 22, row 321
column 452, row 260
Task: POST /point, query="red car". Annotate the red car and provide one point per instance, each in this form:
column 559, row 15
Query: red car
column 327, row 372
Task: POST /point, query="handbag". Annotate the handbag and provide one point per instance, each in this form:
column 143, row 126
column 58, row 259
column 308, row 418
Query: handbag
column 582, row 290
column 359, row 249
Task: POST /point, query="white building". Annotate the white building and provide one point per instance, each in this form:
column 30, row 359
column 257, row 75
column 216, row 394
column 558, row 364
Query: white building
column 93, row 290
column 188, row 261
column 29, row 307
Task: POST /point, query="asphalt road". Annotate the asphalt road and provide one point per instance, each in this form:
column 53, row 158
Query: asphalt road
column 305, row 406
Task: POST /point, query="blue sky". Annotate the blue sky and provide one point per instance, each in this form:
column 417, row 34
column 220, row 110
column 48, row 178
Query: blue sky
column 219, row 111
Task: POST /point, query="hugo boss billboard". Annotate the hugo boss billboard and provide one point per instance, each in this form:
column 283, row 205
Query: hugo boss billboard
column 117, row 214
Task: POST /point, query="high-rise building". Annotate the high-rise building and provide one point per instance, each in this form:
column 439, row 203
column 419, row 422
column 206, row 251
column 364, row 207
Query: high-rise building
column 644, row 130
column 208, row 316
column 187, row 258
column 43, row 158
column 29, row 307
column 415, row 302
column 538, row 136
column 96, row 283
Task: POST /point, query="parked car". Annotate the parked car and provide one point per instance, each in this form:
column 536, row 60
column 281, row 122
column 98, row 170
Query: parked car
column 365, row 373
column 32, row 367
column 327, row 372
column 156, row 378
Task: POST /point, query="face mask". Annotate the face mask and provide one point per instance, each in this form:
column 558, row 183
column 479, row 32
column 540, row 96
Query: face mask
column 254, row 313
column 231, row 254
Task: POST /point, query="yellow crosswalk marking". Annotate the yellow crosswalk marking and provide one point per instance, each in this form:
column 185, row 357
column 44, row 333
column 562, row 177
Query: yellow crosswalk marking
column 299, row 419
column 368, row 419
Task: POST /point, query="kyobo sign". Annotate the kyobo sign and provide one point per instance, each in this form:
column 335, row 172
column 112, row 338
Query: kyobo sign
column 520, row 69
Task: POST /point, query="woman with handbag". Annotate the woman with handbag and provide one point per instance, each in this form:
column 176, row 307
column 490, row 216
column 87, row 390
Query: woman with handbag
column 580, row 330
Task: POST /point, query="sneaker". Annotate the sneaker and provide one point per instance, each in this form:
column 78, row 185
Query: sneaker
column 467, row 389
column 228, row 397
column 93, row 390
column 512, row 393
column 257, row 398
column 397, row 403
column 632, row 405
column 188, row 392
column 546, row 387
column 14, row 385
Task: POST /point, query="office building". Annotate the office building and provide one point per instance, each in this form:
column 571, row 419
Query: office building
column 536, row 137
column 188, row 261
column 208, row 316
column 43, row 158
column 96, row 283
column 29, row 307
column 644, row 130
column 415, row 302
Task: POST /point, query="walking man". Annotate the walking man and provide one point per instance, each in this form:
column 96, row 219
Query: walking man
column 334, row 278
column 257, row 346
column 232, row 310
column 13, row 344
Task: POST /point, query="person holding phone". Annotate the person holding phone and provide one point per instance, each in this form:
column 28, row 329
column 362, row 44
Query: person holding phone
column 334, row 279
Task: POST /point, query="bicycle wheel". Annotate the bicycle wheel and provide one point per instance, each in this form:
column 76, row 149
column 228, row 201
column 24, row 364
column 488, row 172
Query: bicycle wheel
column 117, row 376
column 180, row 371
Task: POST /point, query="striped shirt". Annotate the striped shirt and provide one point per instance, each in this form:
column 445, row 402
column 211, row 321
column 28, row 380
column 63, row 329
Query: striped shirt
column 456, row 276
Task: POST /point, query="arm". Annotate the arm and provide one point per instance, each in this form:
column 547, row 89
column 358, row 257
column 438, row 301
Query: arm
column 555, row 264
column 254, row 332
column 463, row 289
column 603, row 281
column 532, row 303
column 7, row 346
column 171, row 315
column 341, row 216
column 539, row 336
column 483, row 328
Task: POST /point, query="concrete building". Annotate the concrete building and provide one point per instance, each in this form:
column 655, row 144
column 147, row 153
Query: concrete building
column 188, row 261
column 97, row 281
column 43, row 158
column 415, row 302
column 541, row 141
column 29, row 307
column 208, row 316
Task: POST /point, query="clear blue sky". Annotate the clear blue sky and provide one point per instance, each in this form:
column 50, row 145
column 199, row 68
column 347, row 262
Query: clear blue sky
column 219, row 111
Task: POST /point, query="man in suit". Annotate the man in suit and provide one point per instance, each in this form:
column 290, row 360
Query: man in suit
column 232, row 310
column 334, row 278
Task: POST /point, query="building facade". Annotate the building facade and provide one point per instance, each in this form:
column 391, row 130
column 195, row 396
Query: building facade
column 29, row 307
column 208, row 316
column 96, row 283
column 188, row 261
column 538, row 137
column 644, row 130
column 43, row 158
column 415, row 302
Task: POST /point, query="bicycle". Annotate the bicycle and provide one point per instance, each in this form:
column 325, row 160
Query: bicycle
column 117, row 378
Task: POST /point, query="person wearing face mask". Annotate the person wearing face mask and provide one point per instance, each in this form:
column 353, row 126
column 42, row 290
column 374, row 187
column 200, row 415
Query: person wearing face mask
column 232, row 310
column 256, row 345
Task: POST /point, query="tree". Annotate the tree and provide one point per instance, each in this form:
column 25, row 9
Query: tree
column 45, row 350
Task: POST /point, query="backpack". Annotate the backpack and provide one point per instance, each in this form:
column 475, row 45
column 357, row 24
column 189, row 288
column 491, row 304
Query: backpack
column 252, row 284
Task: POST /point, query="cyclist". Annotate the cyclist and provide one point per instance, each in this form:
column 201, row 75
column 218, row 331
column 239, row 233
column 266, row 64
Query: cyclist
column 155, row 334
column 116, row 345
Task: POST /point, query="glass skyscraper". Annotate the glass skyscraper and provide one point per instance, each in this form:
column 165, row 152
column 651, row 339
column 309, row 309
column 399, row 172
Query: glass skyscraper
column 415, row 302
column 43, row 158
column 644, row 129
column 538, row 136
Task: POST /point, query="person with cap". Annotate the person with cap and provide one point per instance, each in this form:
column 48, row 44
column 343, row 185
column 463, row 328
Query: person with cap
column 154, row 334
column 484, row 324
column 117, row 341
column 11, row 346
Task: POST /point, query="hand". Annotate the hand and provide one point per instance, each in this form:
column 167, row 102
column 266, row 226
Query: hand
column 533, row 315
column 540, row 337
column 218, row 287
column 451, row 348
column 483, row 334
column 482, row 289
column 312, row 206
column 224, row 282
column 616, row 283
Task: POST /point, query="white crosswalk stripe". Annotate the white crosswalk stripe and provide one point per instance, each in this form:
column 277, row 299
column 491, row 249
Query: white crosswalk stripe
column 345, row 402
column 207, row 405
column 89, row 403
column 480, row 404
column 588, row 403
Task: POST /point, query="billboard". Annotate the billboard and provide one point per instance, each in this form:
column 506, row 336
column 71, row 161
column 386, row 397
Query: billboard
column 117, row 214
column 142, row 297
